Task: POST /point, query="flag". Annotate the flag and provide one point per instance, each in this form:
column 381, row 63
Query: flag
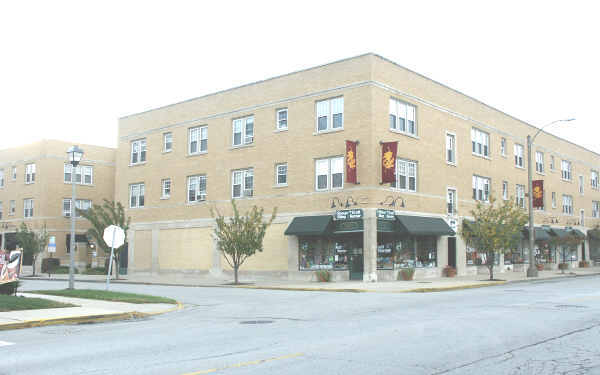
column 388, row 162
column 538, row 193
column 351, row 162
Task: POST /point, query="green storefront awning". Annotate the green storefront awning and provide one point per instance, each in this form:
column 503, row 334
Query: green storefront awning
column 310, row 225
column 577, row 233
column 540, row 233
column 423, row 226
column 594, row 233
column 560, row 233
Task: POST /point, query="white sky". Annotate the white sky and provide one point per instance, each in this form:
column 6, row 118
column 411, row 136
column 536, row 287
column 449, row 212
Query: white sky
column 70, row 69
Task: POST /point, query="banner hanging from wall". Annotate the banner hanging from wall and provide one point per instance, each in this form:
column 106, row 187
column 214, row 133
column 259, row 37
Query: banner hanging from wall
column 538, row 193
column 388, row 161
column 351, row 162
column 10, row 265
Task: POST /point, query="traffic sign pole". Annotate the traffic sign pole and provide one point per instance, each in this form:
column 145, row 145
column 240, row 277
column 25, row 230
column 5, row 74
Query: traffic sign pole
column 112, row 250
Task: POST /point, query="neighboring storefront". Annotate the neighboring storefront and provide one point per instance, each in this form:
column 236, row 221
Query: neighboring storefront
column 594, row 244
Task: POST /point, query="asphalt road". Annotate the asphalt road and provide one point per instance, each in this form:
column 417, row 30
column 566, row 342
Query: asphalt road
column 527, row 328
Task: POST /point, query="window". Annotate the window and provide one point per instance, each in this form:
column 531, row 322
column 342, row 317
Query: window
column 594, row 179
column 520, row 197
column 481, row 142
column 406, row 175
column 282, row 119
column 553, row 199
column 551, row 162
column 168, row 142
column 196, row 188
column 12, row 207
column 242, row 184
column 481, row 188
column 451, row 201
column 198, row 140
column 418, row 252
column 402, row 117
column 80, row 205
column 84, row 174
column 518, row 155
column 330, row 114
column 14, row 173
column 165, row 188
column 136, row 195
column 281, row 174
column 87, row 174
column 503, row 146
column 329, row 173
column 30, row 173
column 243, row 131
column 539, row 162
column 68, row 168
column 27, row 207
column 581, row 182
column 505, row 190
column 1, row 178
column 567, row 204
column 138, row 151
column 566, row 170
column 450, row 148
column 596, row 209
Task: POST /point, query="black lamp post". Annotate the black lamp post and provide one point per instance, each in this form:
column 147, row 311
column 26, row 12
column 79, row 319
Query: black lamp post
column 75, row 154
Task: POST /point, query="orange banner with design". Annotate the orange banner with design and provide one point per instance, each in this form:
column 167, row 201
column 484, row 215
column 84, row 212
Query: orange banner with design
column 538, row 193
column 351, row 162
column 388, row 161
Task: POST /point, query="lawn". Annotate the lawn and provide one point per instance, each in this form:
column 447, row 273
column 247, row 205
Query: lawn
column 13, row 303
column 106, row 295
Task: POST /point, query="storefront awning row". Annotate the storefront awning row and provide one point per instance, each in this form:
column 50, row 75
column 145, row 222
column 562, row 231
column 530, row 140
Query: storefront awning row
column 310, row 226
column 541, row 234
column 423, row 226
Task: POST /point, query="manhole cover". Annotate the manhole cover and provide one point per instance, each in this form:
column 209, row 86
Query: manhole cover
column 424, row 282
column 570, row 307
column 256, row 322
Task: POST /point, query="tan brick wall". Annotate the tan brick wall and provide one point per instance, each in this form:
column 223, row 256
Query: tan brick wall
column 185, row 249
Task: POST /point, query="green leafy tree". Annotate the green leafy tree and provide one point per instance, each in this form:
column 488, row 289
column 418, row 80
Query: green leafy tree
column 32, row 243
column 240, row 236
column 496, row 229
column 102, row 216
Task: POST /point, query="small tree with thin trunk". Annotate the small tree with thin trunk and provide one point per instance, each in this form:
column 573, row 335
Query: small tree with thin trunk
column 240, row 236
column 496, row 229
column 32, row 243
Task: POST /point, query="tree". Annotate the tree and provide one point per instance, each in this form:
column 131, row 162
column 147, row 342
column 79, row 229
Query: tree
column 240, row 237
column 496, row 229
column 31, row 242
column 102, row 216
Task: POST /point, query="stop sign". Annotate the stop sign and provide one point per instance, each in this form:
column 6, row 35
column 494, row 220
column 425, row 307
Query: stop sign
column 115, row 232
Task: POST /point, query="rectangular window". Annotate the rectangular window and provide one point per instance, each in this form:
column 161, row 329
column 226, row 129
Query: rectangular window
column 451, row 202
column 552, row 162
column 403, row 117
column 136, row 195
column 281, row 174
column 196, row 188
column 406, row 175
column 30, row 173
column 330, row 114
column 329, row 173
column 1, row 178
column 66, row 207
column 138, row 151
column 27, row 207
column 12, row 207
column 87, row 174
column 567, row 204
column 553, row 199
column 480, row 142
column 520, row 196
column 243, row 131
column 481, row 188
column 596, row 209
column 68, row 168
column 198, row 140
column 594, row 180
column 518, row 155
column 242, row 183
column 167, row 142
column 503, row 146
column 14, row 173
column 581, row 183
column 282, row 119
column 165, row 188
column 450, row 148
column 80, row 205
column 566, row 170
column 539, row 162
column 505, row 190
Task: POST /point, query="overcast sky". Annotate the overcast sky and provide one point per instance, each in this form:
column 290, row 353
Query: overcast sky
column 70, row 69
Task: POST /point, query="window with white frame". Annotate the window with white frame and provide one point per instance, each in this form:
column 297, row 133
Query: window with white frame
column 165, row 184
column 451, row 201
column 552, row 162
column 505, row 190
column 480, row 142
column 30, row 173
column 566, row 170
column 581, row 183
column 553, row 199
column 281, row 174
column 503, row 146
column 567, row 204
column 88, row 174
column 520, row 196
column 136, row 195
column 481, row 188
column 168, row 142
column 450, row 148
column 406, row 175
column 518, row 155
column 282, row 119
column 198, row 140
column 12, row 207
column 82, row 174
column 539, row 162
column 329, row 173
column 196, row 188
column 596, row 209
column 594, row 180
column 242, row 183
column 1, row 178
column 138, row 151
column 80, row 205
column 243, row 131
column 403, row 117
column 330, row 114
column 27, row 207
column 14, row 173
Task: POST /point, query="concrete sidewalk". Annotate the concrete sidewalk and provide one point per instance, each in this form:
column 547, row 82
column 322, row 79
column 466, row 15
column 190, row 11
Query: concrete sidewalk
column 87, row 310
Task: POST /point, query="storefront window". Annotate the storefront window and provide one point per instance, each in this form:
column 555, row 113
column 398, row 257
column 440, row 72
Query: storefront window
column 476, row 258
column 515, row 256
column 545, row 254
column 342, row 251
column 567, row 254
column 426, row 252
column 385, row 251
column 405, row 253
column 314, row 254
column 416, row 252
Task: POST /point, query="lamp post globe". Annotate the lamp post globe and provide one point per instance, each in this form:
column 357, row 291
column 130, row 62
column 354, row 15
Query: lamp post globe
column 75, row 154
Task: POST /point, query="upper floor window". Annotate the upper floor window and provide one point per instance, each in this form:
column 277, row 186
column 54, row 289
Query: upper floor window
column 581, row 182
column 539, row 162
column 1, row 178
column 165, row 185
column 553, row 199
column 567, row 204
column 198, row 140
column 30, row 173
column 281, row 174
column 14, row 173
column 330, row 114
column 582, row 217
column 451, row 201
column 503, row 146
column 481, row 188
column 551, row 162
column 594, row 179
column 566, row 170
column 168, row 142
column 518, row 155
column 480, row 141
column 196, row 188
column 520, row 196
column 12, row 207
column 27, row 207
column 242, row 183
column 450, row 148
column 505, row 190
column 83, row 174
column 406, row 175
column 138, row 151
column 136, row 195
column 282, row 119
column 243, row 131
column 80, row 205
column 596, row 209
column 403, row 117
column 329, row 173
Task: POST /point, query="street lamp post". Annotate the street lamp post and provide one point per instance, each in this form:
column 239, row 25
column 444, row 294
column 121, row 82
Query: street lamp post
column 532, row 270
column 75, row 154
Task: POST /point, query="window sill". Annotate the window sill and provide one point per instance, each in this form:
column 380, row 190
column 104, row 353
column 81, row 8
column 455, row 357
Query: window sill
column 319, row 132
column 165, row 198
column 404, row 133
column 137, row 164
column 481, row 156
column 136, row 208
column 280, row 130
column 241, row 146
column 196, row 203
column 196, row 154
column 329, row 190
column 70, row 183
column 280, row 186
column 569, row 181
column 520, row 167
column 451, row 164
column 540, row 173
column 167, row 151
column 30, row 183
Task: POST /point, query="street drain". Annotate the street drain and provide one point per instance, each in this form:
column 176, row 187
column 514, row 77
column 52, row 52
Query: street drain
column 256, row 322
column 570, row 307
column 424, row 282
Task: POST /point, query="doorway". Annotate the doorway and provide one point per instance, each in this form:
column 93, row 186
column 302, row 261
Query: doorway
column 356, row 264
column 452, row 252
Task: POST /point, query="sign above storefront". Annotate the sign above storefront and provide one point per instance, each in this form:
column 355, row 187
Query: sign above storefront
column 356, row 213
column 386, row 214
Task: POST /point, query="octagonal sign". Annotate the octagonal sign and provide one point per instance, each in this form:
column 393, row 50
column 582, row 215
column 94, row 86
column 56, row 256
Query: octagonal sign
column 114, row 232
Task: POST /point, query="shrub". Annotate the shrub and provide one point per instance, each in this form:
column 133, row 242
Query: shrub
column 9, row 288
column 63, row 270
column 406, row 274
column 449, row 271
column 323, row 276
column 94, row 271
column 49, row 265
column 563, row 266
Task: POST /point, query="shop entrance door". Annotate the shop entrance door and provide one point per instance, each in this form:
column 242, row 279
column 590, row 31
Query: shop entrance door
column 356, row 264
column 452, row 252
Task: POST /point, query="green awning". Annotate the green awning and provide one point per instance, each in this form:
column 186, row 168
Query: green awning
column 577, row 233
column 540, row 233
column 560, row 233
column 423, row 226
column 594, row 233
column 310, row 225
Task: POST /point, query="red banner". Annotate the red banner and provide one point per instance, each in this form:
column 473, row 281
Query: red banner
column 388, row 162
column 10, row 265
column 351, row 162
column 538, row 193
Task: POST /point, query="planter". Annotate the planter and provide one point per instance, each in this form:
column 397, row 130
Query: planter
column 449, row 271
column 540, row 267
column 323, row 276
column 406, row 274
column 563, row 266
column 584, row 264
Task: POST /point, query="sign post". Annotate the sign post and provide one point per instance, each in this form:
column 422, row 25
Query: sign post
column 114, row 236
column 51, row 245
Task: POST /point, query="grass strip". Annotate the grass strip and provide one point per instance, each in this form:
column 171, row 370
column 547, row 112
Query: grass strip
column 14, row 303
column 106, row 295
